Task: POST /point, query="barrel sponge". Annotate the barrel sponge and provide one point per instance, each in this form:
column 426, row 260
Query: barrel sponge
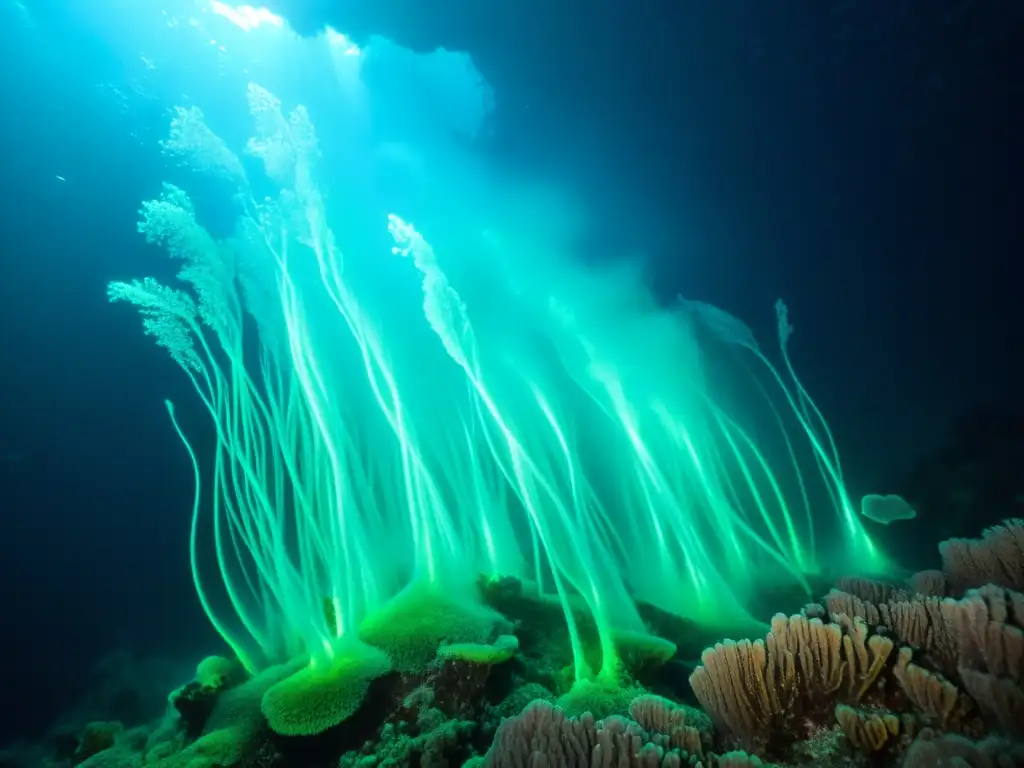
column 321, row 695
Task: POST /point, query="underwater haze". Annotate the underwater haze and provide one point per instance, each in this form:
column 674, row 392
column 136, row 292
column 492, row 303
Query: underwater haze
column 432, row 377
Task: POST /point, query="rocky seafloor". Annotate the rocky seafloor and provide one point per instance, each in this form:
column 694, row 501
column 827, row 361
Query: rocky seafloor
column 927, row 672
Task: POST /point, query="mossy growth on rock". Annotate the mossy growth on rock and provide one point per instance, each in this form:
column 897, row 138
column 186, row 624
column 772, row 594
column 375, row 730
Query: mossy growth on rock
column 326, row 693
column 413, row 625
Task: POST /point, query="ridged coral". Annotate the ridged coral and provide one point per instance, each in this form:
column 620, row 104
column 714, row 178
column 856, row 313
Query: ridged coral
column 938, row 701
column 996, row 558
column 680, row 727
column 545, row 735
column 866, row 730
column 977, row 642
column 660, row 736
column 754, row 690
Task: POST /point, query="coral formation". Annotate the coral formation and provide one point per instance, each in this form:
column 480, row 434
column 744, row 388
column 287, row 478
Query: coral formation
column 419, row 734
column 413, row 624
column 797, row 674
column 866, row 730
column 996, row 558
column 875, row 674
column 950, row 750
column 545, row 733
column 318, row 697
column 942, row 654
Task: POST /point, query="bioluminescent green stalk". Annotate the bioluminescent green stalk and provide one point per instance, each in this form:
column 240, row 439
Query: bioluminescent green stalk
column 237, row 648
column 570, row 558
column 669, row 514
column 429, row 519
column 174, row 320
column 732, row 331
column 269, row 479
column 564, row 446
column 435, row 541
column 828, row 460
column 678, row 506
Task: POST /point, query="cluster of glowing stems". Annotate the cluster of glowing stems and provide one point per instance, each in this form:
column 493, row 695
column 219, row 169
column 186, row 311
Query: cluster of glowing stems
column 317, row 520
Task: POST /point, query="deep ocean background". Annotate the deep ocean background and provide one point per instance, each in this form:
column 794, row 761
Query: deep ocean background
column 861, row 160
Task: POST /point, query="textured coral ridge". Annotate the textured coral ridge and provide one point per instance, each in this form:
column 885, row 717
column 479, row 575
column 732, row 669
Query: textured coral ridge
column 911, row 674
column 925, row 673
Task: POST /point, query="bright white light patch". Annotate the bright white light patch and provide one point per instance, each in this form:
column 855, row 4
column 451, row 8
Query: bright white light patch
column 340, row 41
column 246, row 17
